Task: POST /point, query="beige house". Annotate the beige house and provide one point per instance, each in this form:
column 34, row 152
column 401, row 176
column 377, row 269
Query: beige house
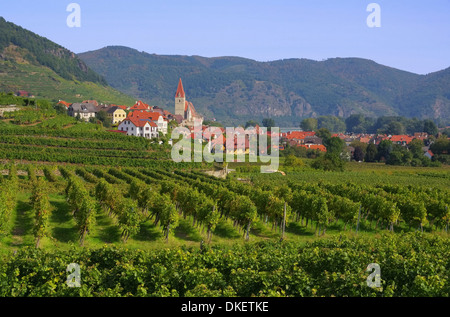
column 116, row 115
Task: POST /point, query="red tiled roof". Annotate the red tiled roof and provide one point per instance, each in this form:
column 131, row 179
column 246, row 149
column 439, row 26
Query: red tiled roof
column 401, row 138
column 136, row 121
column 364, row 140
column 145, row 115
column 320, row 147
column 300, row 135
column 140, row 106
column 180, row 90
column 64, row 103
column 191, row 108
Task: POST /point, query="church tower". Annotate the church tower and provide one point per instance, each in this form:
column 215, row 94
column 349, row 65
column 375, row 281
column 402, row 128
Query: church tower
column 180, row 100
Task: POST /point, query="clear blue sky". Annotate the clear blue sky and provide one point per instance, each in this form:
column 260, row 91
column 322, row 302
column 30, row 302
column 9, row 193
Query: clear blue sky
column 414, row 35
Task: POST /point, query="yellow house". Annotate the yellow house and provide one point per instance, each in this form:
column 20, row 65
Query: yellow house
column 116, row 114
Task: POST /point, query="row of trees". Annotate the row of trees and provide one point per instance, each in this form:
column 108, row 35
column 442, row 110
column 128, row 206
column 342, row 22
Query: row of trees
column 393, row 154
column 81, row 202
column 358, row 123
column 39, row 201
column 8, row 198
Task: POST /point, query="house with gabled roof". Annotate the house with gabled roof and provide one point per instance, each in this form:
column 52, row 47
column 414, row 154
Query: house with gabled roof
column 401, row 139
column 139, row 127
column 160, row 120
column 84, row 110
column 116, row 114
column 139, row 105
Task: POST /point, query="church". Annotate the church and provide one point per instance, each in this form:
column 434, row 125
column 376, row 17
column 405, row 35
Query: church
column 185, row 109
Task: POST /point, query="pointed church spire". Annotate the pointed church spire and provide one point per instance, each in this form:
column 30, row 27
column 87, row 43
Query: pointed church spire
column 180, row 90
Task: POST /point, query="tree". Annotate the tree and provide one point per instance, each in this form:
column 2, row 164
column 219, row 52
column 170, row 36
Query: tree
column 85, row 217
column 335, row 145
column 430, row 127
column 384, row 149
column 129, row 218
column 309, row 124
column 395, row 128
column 329, row 162
column 268, row 123
column 41, row 206
column 322, row 214
column 415, row 146
column 60, row 109
column 102, row 116
column 331, row 123
column 324, row 134
column 371, row 153
column 208, row 215
column 358, row 154
column 399, row 156
column 354, row 123
column 248, row 214
column 251, row 123
column 395, row 158
column 168, row 215
column 441, row 145
column 293, row 161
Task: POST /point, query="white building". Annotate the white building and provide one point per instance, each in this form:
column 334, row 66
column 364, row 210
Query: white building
column 139, row 127
column 153, row 116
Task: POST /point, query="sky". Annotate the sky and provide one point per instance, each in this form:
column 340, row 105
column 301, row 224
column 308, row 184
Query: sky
column 413, row 35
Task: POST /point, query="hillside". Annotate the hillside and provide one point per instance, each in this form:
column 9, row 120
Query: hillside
column 234, row 89
column 45, row 69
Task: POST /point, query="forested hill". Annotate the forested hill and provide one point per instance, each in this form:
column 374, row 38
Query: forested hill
column 47, row 53
column 234, row 89
column 45, row 69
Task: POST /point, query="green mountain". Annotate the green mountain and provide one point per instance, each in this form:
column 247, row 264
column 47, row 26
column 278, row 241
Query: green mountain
column 47, row 70
column 234, row 89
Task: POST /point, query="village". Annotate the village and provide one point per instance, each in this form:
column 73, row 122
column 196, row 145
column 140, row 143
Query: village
column 152, row 122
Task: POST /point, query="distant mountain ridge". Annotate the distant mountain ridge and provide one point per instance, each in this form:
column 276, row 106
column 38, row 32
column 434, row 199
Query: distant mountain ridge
column 235, row 89
column 232, row 90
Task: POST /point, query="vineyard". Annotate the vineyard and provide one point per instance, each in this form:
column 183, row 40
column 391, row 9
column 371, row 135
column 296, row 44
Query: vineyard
column 79, row 144
column 139, row 224
column 180, row 232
